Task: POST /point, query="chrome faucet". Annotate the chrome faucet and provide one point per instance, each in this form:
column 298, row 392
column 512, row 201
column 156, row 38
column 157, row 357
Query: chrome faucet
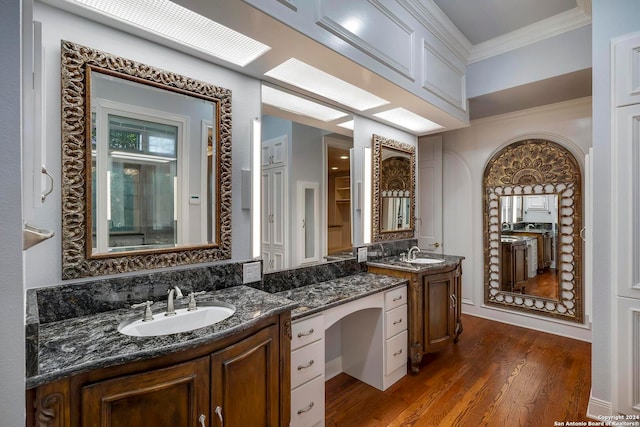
column 411, row 255
column 175, row 291
column 530, row 226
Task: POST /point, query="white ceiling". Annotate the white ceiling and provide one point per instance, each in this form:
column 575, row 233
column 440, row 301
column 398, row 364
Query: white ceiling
column 482, row 20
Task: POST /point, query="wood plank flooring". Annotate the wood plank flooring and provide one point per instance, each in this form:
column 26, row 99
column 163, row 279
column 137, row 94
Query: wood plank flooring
column 543, row 285
column 496, row 375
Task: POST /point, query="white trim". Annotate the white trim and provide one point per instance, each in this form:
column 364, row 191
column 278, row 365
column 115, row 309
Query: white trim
column 333, row 368
column 598, row 408
column 538, row 31
column 434, row 20
column 586, row 101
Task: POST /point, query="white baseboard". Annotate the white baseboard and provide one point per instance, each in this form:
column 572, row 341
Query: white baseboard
column 332, row 368
column 599, row 408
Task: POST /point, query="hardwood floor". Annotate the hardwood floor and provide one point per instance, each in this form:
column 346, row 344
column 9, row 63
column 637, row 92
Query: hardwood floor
column 496, row 375
column 543, row 285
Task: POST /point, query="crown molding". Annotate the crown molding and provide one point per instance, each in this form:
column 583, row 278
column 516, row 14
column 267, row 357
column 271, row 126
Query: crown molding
column 437, row 22
column 541, row 30
column 434, row 20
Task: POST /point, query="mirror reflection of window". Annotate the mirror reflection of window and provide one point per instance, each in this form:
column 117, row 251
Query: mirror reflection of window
column 140, row 183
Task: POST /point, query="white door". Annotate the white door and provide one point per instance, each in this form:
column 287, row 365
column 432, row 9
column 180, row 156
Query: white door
column 308, row 222
column 429, row 194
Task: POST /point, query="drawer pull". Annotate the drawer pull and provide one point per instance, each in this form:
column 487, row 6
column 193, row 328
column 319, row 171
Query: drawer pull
column 307, row 409
column 397, row 298
column 395, row 322
column 397, row 353
column 305, row 334
column 308, row 365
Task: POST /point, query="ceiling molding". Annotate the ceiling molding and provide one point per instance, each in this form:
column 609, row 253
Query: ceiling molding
column 541, row 30
column 434, row 20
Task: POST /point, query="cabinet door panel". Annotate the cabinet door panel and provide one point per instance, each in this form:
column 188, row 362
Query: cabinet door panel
column 439, row 309
column 245, row 382
column 175, row 396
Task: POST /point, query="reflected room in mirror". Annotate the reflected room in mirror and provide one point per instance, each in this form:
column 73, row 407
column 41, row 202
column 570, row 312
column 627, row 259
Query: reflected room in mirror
column 393, row 189
column 152, row 163
column 306, row 191
column 146, row 166
column 528, row 243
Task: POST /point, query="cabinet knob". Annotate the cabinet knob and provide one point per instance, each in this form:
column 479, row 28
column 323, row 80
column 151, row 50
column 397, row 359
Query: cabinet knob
column 395, row 322
column 397, row 353
column 202, row 419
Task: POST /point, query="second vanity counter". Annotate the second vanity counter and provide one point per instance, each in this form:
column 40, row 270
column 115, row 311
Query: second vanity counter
column 322, row 296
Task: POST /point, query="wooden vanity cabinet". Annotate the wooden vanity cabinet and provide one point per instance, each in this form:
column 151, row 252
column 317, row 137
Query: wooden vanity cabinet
column 245, row 384
column 240, row 380
column 545, row 248
column 514, row 270
column 177, row 395
column 435, row 309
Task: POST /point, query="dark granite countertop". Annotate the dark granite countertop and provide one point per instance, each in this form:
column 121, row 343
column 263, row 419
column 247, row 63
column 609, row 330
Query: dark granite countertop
column 396, row 263
column 322, row 296
column 85, row 343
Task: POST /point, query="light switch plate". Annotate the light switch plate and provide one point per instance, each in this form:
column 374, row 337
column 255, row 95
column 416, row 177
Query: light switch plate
column 251, row 272
column 362, row 254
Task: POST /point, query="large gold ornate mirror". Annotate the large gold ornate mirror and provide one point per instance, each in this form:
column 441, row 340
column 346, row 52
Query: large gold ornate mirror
column 393, row 189
column 532, row 224
column 146, row 166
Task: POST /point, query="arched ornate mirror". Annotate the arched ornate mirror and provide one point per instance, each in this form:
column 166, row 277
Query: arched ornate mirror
column 532, row 224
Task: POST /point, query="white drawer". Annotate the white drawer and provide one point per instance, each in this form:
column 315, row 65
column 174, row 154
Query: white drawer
column 307, row 403
column 395, row 298
column 396, row 352
column 306, row 331
column 395, row 321
column 306, row 363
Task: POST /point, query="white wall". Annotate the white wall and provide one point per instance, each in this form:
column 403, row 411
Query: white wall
column 465, row 155
column 43, row 262
column 548, row 58
column 611, row 18
column 12, row 362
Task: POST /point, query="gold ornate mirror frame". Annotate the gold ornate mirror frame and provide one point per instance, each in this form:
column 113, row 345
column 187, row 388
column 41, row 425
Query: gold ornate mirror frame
column 77, row 257
column 379, row 143
column 536, row 166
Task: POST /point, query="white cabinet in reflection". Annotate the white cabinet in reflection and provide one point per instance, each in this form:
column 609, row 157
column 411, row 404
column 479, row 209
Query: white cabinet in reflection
column 274, row 204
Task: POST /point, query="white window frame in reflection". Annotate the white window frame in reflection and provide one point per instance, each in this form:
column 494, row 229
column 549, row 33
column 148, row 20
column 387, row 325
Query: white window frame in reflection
column 103, row 159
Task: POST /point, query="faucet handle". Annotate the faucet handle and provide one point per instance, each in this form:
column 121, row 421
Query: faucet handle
column 147, row 310
column 192, row 300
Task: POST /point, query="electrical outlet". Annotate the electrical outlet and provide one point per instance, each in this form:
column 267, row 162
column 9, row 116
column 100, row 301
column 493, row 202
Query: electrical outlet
column 251, row 272
column 362, row 254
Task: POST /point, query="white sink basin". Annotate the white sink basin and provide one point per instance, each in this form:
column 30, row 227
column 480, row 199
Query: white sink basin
column 426, row 261
column 183, row 321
